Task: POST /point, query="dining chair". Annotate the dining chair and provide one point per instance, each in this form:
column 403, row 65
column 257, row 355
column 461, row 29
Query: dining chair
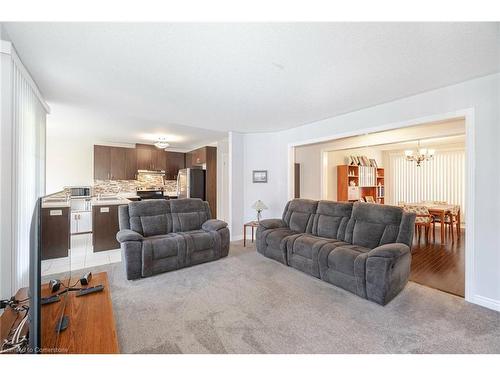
column 423, row 220
column 450, row 219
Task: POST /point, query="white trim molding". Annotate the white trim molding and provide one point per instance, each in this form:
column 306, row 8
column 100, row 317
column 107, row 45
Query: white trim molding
column 489, row 303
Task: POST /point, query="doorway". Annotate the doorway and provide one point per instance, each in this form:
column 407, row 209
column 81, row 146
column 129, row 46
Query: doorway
column 437, row 264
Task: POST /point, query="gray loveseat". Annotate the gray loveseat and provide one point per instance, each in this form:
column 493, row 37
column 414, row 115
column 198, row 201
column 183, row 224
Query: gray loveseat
column 361, row 247
column 163, row 235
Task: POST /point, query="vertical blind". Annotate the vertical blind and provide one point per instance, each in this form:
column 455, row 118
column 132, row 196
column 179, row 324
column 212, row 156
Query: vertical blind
column 441, row 179
column 29, row 125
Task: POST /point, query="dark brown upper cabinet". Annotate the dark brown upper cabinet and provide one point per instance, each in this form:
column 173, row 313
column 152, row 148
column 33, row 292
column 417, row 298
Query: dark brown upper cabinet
column 102, row 162
column 144, row 157
column 114, row 163
column 117, row 167
column 174, row 161
column 150, row 157
column 196, row 158
column 158, row 159
column 130, row 164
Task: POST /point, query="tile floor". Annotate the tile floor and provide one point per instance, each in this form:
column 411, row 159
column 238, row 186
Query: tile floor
column 81, row 255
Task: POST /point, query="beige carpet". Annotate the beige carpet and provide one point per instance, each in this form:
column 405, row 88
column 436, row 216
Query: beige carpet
column 246, row 303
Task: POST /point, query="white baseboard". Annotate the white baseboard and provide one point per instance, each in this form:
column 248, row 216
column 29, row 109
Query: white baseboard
column 489, row 303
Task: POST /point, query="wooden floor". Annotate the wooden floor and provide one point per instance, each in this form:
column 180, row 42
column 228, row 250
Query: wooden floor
column 440, row 266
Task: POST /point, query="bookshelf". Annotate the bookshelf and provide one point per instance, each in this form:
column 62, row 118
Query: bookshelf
column 368, row 181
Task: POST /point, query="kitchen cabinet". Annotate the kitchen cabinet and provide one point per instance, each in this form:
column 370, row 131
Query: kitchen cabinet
column 114, row 163
column 105, row 227
column 150, row 157
column 130, row 164
column 117, row 164
column 102, row 162
column 144, row 157
column 158, row 159
column 206, row 157
column 81, row 222
column 196, row 158
column 173, row 162
column 55, row 232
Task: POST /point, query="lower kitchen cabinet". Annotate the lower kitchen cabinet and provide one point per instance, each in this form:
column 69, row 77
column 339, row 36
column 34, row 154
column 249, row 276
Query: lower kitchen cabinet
column 105, row 227
column 55, row 232
column 81, row 222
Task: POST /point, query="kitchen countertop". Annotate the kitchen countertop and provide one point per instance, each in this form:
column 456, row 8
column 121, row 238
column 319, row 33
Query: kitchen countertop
column 55, row 204
column 56, row 200
column 119, row 200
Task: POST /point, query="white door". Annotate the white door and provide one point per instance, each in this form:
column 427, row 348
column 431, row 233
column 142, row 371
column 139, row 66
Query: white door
column 85, row 222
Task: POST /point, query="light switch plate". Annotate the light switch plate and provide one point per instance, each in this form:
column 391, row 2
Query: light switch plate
column 104, row 209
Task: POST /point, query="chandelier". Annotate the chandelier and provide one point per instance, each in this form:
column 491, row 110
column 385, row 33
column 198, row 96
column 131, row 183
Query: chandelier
column 419, row 155
column 162, row 143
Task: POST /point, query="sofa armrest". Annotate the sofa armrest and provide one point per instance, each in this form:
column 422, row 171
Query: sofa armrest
column 128, row 235
column 273, row 223
column 213, row 225
column 387, row 271
column 390, row 250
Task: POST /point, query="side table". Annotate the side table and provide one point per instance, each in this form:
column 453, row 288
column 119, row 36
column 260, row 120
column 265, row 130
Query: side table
column 253, row 224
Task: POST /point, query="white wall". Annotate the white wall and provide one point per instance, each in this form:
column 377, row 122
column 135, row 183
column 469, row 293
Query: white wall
column 223, row 179
column 311, row 168
column 236, row 184
column 270, row 151
column 69, row 161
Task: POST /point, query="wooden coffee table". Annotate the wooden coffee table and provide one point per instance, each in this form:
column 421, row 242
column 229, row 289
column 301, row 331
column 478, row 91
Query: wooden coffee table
column 91, row 328
column 252, row 224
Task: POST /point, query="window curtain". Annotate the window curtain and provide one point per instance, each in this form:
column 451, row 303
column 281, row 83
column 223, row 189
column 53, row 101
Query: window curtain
column 442, row 179
column 28, row 164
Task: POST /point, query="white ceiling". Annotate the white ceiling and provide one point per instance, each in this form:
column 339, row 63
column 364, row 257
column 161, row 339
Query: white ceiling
column 197, row 81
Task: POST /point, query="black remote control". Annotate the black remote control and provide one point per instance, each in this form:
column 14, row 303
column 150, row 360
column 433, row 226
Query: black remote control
column 93, row 289
column 51, row 299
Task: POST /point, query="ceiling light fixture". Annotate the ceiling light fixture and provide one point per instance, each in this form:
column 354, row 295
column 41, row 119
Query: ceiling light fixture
column 420, row 155
column 162, row 143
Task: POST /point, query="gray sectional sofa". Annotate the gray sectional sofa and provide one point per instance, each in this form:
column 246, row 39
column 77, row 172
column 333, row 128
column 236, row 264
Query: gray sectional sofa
column 163, row 235
column 361, row 247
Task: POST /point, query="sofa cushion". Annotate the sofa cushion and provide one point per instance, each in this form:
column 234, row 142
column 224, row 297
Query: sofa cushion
column 143, row 210
column 155, row 225
column 277, row 237
column 303, row 244
column 372, row 225
column 164, row 246
column 188, row 214
column 331, row 219
column 298, row 214
column 343, row 258
column 199, row 240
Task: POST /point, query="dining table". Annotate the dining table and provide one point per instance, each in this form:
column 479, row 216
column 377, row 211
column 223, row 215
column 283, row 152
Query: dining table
column 441, row 210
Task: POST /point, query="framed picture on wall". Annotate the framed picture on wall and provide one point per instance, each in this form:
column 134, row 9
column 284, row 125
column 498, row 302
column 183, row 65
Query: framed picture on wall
column 259, row 177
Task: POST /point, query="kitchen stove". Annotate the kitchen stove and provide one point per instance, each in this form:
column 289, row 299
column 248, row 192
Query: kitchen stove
column 150, row 193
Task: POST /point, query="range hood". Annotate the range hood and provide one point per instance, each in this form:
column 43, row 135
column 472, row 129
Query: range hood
column 145, row 171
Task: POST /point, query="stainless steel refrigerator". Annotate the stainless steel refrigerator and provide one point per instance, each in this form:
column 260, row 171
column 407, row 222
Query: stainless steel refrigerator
column 191, row 183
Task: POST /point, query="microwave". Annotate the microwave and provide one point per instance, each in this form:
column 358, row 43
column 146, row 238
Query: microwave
column 80, row 192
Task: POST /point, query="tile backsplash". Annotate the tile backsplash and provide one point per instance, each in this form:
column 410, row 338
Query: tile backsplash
column 129, row 186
